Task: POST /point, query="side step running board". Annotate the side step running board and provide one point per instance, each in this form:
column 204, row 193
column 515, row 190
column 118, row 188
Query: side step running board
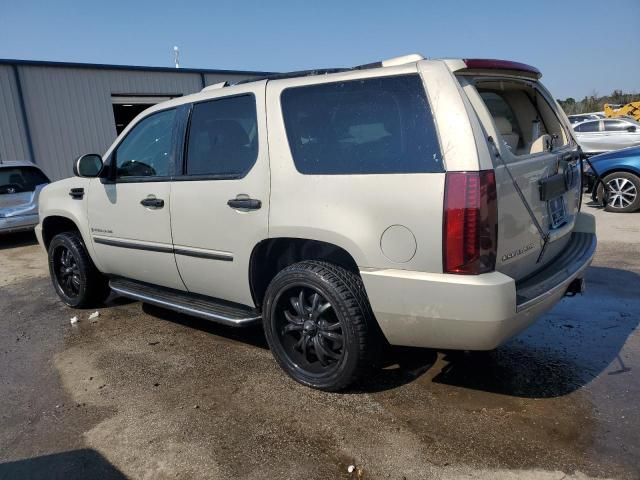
column 189, row 303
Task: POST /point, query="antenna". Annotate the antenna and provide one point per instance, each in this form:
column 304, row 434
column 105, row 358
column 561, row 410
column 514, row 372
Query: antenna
column 176, row 56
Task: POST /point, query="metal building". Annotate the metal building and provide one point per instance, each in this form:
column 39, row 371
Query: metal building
column 52, row 112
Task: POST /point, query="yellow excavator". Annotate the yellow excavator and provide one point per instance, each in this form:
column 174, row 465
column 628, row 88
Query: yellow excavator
column 630, row 110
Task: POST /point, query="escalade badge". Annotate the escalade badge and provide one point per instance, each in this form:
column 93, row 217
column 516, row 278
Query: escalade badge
column 517, row 252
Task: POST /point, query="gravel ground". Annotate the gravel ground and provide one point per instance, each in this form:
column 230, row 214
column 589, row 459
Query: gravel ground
column 141, row 392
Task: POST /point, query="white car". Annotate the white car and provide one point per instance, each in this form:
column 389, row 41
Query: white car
column 599, row 136
column 430, row 203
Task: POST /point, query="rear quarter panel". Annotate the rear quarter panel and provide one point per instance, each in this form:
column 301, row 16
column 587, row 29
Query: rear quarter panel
column 352, row 211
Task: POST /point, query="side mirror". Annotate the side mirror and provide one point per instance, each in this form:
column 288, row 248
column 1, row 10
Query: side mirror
column 89, row 165
column 631, row 128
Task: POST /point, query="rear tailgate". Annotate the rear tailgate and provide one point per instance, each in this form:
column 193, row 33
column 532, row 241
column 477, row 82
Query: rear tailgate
column 535, row 159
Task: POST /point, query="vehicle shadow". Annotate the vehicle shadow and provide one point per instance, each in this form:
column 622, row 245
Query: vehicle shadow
column 252, row 335
column 73, row 465
column 564, row 350
column 19, row 239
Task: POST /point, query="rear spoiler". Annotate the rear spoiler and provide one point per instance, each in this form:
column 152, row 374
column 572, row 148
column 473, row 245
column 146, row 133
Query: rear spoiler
column 487, row 65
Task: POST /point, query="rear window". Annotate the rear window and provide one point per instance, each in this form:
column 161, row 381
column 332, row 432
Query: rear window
column 379, row 125
column 20, row 179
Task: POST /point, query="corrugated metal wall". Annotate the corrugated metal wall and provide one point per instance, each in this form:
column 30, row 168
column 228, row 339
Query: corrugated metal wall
column 69, row 109
column 13, row 138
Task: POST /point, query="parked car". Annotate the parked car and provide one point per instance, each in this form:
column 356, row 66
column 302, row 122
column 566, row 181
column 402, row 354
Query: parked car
column 20, row 186
column 429, row 203
column 599, row 136
column 620, row 171
column 574, row 119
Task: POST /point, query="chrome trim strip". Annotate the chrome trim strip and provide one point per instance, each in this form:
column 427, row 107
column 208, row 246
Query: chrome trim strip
column 210, row 255
column 182, row 308
column 188, row 252
column 132, row 245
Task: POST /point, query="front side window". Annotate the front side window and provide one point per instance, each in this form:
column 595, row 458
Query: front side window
column 146, row 151
column 223, row 137
column 20, row 179
column 379, row 125
column 588, row 127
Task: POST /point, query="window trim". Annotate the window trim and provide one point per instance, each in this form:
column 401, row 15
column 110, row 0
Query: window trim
column 183, row 176
column 112, row 160
column 364, row 79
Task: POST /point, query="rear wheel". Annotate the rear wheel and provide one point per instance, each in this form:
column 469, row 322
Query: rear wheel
column 624, row 192
column 75, row 278
column 319, row 325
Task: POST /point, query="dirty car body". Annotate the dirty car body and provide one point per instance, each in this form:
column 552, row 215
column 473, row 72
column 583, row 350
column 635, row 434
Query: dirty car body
column 430, row 203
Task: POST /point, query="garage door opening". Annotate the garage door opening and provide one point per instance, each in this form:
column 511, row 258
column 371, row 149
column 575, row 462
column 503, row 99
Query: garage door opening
column 127, row 107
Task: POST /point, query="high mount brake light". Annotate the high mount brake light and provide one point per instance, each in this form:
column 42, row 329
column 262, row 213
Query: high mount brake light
column 489, row 64
column 470, row 222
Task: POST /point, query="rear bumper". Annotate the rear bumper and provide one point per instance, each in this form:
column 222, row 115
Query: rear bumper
column 473, row 312
column 18, row 223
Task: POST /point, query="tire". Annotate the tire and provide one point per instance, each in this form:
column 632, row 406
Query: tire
column 75, row 278
column 322, row 302
column 624, row 194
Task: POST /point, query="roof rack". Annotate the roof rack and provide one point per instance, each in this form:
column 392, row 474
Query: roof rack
column 391, row 62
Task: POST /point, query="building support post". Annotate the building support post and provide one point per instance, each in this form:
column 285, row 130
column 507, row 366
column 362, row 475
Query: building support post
column 23, row 110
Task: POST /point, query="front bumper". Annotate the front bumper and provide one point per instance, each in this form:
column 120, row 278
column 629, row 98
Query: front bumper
column 473, row 312
column 18, row 223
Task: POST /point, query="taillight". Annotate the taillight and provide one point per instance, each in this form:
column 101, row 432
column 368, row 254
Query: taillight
column 470, row 230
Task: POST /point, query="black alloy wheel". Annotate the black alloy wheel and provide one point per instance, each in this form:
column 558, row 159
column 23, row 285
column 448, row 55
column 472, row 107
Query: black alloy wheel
column 319, row 325
column 67, row 271
column 309, row 330
column 75, row 278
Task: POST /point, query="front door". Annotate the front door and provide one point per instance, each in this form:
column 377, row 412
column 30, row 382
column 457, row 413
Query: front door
column 220, row 205
column 129, row 214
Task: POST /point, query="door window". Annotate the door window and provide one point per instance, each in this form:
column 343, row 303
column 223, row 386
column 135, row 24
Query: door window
column 146, row 151
column 223, row 137
column 588, row 126
column 616, row 126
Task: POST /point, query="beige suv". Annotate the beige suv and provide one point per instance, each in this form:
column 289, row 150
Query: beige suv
column 430, row 203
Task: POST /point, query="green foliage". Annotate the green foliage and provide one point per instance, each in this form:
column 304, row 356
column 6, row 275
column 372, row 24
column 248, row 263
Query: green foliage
column 595, row 103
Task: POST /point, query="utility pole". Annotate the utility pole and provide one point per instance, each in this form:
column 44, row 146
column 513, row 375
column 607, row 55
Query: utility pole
column 176, row 56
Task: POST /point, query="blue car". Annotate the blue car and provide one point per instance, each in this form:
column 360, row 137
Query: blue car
column 620, row 170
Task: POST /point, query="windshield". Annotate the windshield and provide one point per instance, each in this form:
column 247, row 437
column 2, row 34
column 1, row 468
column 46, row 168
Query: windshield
column 20, row 179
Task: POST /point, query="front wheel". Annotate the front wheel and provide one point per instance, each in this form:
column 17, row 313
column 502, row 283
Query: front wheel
column 624, row 192
column 75, row 278
column 319, row 325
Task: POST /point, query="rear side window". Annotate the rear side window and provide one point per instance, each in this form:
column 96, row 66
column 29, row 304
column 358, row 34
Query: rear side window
column 20, row 179
column 223, row 137
column 379, row 125
column 616, row 126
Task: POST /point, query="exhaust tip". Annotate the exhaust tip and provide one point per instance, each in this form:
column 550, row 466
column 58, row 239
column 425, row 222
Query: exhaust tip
column 577, row 286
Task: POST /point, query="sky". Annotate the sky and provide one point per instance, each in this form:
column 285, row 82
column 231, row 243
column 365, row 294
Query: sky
column 581, row 46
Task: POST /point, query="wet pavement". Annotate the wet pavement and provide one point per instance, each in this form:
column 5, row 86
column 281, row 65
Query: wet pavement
column 142, row 392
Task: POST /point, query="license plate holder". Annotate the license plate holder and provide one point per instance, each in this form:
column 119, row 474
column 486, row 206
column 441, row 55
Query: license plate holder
column 557, row 211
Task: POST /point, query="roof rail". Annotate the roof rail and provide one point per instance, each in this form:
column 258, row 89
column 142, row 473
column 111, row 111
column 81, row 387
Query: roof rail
column 391, row 62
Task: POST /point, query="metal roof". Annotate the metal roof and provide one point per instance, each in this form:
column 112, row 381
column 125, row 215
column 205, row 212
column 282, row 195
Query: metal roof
column 104, row 66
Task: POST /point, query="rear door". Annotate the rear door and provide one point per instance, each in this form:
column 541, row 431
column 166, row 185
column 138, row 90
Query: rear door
column 532, row 144
column 220, row 205
column 617, row 134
